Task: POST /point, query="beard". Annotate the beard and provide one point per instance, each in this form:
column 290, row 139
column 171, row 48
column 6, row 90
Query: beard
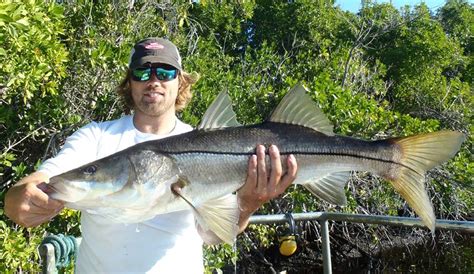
column 157, row 107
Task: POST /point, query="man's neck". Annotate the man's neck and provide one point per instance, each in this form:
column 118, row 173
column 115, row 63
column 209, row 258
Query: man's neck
column 159, row 125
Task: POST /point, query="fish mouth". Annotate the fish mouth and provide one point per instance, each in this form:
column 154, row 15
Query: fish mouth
column 63, row 191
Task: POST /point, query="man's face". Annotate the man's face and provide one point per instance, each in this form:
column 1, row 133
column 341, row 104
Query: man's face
column 154, row 97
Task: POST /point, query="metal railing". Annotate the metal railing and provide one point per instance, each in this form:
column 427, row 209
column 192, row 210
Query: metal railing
column 324, row 217
column 47, row 252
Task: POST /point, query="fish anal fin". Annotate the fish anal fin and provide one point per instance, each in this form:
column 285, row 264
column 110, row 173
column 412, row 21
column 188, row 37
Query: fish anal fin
column 221, row 216
column 330, row 187
column 298, row 108
column 219, row 114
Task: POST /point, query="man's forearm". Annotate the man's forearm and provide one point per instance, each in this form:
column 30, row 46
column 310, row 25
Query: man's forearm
column 244, row 219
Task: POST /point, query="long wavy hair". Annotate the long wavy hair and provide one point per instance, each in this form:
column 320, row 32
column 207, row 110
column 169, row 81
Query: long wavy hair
column 186, row 80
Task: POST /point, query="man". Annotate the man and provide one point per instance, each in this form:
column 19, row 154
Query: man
column 155, row 88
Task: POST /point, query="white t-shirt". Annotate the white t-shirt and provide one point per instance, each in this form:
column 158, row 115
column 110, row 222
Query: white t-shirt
column 168, row 243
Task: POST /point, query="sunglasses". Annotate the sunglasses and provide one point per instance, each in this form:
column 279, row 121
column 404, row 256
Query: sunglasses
column 144, row 74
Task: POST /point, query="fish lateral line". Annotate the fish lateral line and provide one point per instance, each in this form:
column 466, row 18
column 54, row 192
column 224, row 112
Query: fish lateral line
column 296, row 153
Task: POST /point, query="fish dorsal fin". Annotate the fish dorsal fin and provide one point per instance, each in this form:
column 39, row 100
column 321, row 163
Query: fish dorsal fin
column 298, row 108
column 330, row 187
column 219, row 114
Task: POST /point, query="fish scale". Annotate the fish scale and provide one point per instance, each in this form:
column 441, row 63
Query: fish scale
column 291, row 139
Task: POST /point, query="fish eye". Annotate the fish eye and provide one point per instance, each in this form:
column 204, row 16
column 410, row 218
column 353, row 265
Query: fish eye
column 89, row 170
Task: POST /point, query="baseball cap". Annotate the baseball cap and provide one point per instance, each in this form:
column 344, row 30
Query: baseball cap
column 154, row 50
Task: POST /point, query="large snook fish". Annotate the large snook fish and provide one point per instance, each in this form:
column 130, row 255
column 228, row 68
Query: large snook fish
column 199, row 169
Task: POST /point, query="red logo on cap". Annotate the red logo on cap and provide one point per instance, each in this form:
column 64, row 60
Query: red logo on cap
column 154, row 45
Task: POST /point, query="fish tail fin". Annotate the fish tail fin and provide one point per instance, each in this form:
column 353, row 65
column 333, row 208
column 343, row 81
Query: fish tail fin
column 417, row 154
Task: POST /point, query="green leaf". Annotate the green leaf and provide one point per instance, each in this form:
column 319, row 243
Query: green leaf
column 23, row 21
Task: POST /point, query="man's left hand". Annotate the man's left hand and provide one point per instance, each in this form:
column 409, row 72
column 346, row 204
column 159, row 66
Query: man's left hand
column 264, row 184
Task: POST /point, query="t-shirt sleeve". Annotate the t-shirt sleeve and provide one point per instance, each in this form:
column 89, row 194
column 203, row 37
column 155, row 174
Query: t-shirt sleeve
column 80, row 148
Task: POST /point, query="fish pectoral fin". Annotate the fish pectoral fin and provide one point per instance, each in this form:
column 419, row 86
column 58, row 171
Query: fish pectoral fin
column 330, row 187
column 219, row 114
column 221, row 216
column 298, row 108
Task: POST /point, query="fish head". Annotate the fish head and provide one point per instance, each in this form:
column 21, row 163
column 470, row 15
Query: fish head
column 127, row 187
column 93, row 180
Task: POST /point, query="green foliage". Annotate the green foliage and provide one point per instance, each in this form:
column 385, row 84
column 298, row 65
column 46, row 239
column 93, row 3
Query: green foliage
column 19, row 248
column 217, row 257
column 32, row 64
column 457, row 18
column 32, row 54
column 418, row 54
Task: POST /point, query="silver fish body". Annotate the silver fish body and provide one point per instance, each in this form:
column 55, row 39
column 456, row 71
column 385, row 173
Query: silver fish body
column 209, row 163
column 218, row 159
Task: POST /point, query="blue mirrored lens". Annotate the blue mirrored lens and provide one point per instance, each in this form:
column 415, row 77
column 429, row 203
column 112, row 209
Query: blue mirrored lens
column 144, row 74
column 164, row 74
column 141, row 74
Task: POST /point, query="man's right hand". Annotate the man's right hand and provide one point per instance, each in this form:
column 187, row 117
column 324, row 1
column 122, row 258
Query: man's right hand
column 27, row 203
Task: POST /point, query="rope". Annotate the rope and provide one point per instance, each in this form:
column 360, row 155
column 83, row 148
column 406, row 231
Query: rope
column 65, row 248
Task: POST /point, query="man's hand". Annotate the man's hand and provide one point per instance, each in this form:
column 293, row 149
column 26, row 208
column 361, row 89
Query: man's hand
column 261, row 187
column 27, row 203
